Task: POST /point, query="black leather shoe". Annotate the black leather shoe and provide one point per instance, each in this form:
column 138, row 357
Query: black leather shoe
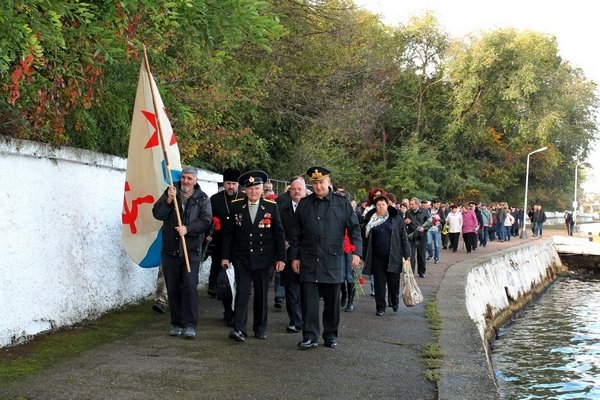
column 421, row 275
column 395, row 308
column 308, row 344
column 212, row 293
column 159, row 307
column 379, row 313
column 278, row 304
column 261, row 336
column 293, row 329
column 238, row 336
column 331, row 343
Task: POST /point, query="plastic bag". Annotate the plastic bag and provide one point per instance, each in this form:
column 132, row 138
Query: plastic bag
column 225, row 286
column 411, row 294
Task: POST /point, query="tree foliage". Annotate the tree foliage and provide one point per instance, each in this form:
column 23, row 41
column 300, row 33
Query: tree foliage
column 281, row 85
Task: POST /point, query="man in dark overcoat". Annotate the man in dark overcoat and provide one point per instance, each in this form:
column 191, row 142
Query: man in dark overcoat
column 254, row 241
column 221, row 209
column 322, row 220
column 287, row 203
column 415, row 226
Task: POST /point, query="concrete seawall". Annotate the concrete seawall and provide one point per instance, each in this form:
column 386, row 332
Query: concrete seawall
column 475, row 297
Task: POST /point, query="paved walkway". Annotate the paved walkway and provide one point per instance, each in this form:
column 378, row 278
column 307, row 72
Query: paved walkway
column 377, row 357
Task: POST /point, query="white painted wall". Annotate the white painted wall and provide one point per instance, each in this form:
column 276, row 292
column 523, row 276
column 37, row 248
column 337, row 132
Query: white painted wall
column 61, row 260
column 507, row 276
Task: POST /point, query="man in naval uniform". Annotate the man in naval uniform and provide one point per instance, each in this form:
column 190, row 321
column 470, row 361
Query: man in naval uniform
column 321, row 222
column 254, row 241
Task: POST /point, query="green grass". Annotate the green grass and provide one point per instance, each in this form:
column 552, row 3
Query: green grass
column 47, row 349
column 431, row 354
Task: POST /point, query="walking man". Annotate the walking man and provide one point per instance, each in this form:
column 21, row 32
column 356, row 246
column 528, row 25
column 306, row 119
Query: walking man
column 317, row 254
column 254, row 241
column 196, row 217
column 287, row 203
column 221, row 208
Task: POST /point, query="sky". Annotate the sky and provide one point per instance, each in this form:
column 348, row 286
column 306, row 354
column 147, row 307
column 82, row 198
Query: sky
column 574, row 23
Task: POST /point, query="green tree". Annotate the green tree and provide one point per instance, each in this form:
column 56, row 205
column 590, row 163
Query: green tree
column 511, row 94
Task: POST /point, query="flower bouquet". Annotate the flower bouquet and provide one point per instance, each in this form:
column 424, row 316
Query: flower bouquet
column 359, row 279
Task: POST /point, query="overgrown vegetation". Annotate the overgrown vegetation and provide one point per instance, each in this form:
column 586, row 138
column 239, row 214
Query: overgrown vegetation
column 280, row 85
column 431, row 351
column 45, row 350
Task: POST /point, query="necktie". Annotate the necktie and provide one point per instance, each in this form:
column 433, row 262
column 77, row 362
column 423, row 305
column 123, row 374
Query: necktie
column 294, row 205
column 252, row 208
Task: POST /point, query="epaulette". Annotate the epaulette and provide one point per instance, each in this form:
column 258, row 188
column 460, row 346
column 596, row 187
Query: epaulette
column 270, row 201
column 240, row 199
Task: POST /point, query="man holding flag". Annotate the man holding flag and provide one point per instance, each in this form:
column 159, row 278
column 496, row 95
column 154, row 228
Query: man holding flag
column 196, row 217
column 153, row 164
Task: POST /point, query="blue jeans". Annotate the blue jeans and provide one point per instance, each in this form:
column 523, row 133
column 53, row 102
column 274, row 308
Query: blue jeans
column 434, row 242
column 508, row 232
column 483, row 235
column 537, row 228
column 500, row 231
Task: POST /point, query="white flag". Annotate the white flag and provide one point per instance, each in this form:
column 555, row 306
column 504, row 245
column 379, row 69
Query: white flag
column 146, row 178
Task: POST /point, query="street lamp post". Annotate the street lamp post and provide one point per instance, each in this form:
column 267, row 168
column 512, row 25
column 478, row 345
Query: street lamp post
column 575, row 197
column 525, row 216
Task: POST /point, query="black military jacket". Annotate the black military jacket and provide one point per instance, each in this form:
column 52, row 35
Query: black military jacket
column 318, row 237
column 221, row 207
column 253, row 245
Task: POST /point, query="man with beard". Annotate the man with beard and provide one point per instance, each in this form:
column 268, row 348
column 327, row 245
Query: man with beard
column 221, row 206
column 196, row 217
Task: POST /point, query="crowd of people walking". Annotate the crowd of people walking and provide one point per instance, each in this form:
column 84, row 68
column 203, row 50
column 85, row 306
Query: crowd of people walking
column 311, row 245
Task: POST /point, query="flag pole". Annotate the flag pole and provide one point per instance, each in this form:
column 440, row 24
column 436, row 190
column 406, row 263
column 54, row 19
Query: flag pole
column 165, row 156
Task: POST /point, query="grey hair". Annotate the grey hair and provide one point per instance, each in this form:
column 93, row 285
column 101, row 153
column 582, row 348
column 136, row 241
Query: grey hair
column 189, row 170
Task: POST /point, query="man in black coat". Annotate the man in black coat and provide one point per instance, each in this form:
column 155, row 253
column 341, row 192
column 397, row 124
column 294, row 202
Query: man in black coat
column 221, row 207
column 254, row 241
column 321, row 222
column 287, row 204
column 196, row 217
column 415, row 220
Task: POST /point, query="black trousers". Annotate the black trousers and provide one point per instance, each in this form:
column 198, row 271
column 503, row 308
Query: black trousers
column 293, row 306
column 454, row 236
column 182, row 288
column 384, row 279
column 215, row 268
column 470, row 239
column 244, row 277
column 418, row 254
column 310, row 310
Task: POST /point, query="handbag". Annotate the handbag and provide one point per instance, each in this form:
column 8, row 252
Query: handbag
column 411, row 294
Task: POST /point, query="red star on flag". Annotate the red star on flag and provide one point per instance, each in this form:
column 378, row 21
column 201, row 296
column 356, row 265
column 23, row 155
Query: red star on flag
column 151, row 117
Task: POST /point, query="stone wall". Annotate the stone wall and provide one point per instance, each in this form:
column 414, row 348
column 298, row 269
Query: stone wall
column 61, row 258
column 474, row 297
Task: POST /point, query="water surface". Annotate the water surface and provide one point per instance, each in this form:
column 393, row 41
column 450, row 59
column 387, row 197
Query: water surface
column 552, row 349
